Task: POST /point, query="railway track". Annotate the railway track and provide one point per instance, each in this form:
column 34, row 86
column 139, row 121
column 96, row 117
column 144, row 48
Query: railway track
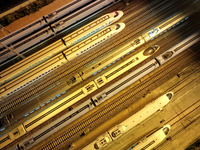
column 28, row 95
column 67, row 136
column 175, row 36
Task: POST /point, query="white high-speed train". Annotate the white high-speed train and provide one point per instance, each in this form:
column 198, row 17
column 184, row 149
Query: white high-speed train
column 134, row 44
column 58, row 46
column 96, row 67
column 97, row 99
column 58, row 60
column 54, row 28
column 64, row 120
column 71, row 99
column 45, row 20
column 151, row 140
column 116, row 132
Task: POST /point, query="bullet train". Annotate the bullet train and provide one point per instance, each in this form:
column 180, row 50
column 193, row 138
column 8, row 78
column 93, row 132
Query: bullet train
column 58, row 46
column 58, row 60
column 151, row 140
column 98, row 66
column 67, row 102
column 45, row 20
column 64, row 120
column 74, row 97
column 117, row 131
column 54, row 28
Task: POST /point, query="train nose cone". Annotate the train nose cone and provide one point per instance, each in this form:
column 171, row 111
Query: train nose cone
column 118, row 14
column 120, row 26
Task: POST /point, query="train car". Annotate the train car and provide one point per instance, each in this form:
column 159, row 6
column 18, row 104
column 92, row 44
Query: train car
column 93, row 41
column 66, row 119
column 45, row 132
column 126, row 65
column 151, row 140
column 58, row 46
column 44, row 21
column 117, row 131
column 74, row 80
column 55, row 28
column 104, row 95
column 96, row 67
column 47, row 114
column 58, row 60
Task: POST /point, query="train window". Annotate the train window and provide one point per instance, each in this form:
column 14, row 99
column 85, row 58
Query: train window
column 76, row 48
column 88, row 41
column 79, row 32
column 67, row 39
column 93, row 38
column 92, row 25
column 81, row 45
column 135, row 144
column 74, row 35
column 86, row 28
column 146, row 146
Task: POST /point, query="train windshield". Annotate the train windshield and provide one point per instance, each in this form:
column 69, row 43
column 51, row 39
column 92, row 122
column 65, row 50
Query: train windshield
column 166, row 130
column 169, row 95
